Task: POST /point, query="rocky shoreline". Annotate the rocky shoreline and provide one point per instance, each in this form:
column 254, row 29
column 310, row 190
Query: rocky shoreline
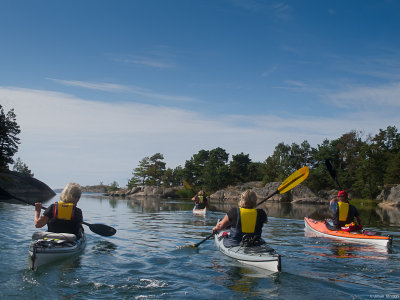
column 301, row 194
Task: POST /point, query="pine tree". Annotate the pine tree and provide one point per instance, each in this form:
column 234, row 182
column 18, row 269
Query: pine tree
column 9, row 129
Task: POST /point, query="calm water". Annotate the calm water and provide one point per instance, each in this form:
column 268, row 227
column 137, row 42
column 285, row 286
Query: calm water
column 142, row 260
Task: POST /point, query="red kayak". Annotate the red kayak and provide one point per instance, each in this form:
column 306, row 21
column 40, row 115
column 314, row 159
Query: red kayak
column 320, row 228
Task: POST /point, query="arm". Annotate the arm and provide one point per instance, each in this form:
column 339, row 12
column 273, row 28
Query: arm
column 221, row 224
column 357, row 216
column 39, row 220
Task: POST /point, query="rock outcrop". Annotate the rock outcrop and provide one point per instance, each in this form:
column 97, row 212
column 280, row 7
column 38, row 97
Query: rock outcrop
column 94, row 189
column 299, row 194
column 24, row 187
column 146, row 191
column 390, row 196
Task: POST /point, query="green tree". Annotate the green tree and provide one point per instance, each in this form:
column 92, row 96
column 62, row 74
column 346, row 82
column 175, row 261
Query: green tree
column 240, row 167
column 9, row 129
column 113, row 186
column 256, row 171
column 348, row 148
column 156, row 169
column 21, row 167
column 216, row 173
column 319, row 177
column 172, row 177
column 286, row 159
column 193, row 170
column 139, row 173
column 208, row 169
column 149, row 172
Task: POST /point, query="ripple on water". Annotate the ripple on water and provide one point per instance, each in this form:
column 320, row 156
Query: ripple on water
column 142, row 260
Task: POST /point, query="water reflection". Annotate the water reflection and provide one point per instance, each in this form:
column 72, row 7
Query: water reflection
column 104, row 247
column 158, row 204
column 369, row 216
column 244, row 281
column 390, row 215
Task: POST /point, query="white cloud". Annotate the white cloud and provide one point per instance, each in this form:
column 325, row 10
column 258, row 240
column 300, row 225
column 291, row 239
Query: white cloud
column 368, row 96
column 118, row 88
column 65, row 138
column 106, row 87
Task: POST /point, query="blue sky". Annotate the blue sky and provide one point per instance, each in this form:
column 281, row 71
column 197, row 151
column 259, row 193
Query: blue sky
column 98, row 85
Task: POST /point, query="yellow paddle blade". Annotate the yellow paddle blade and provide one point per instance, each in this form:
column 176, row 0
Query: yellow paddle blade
column 296, row 178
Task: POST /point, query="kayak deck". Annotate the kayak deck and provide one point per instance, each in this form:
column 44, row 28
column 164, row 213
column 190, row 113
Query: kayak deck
column 45, row 250
column 262, row 256
column 320, row 228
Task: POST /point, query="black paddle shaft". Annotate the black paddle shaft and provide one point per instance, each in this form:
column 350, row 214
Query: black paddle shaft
column 332, row 172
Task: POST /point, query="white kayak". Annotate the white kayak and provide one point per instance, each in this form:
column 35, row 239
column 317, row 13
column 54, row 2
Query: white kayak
column 262, row 256
column 201, row 211
column 48, row 247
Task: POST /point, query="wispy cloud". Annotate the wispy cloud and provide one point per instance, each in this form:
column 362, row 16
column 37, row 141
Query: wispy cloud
column 100, row 86
column 270, row 71
column 117, row 88
column 146, row 61
column 386, row 96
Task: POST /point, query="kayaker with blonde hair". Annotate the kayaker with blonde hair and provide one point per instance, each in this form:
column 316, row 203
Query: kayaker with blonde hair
column 200, row 200
column 62, row 216
column 245, row 220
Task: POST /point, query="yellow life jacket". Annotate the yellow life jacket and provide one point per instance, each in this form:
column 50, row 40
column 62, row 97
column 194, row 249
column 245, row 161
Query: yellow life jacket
column 64, row 210
column 248, row 218
column 343, row 211
column 200, row 199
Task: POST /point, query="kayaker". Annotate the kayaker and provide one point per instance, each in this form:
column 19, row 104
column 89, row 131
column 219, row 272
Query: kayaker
column 62, row 216
column 343, row 213
column 201, row 200
column 244, row 220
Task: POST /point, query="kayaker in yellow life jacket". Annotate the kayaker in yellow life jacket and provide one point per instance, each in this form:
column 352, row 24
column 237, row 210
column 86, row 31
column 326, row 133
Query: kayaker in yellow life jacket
column 343, row 213
column 244, row 220
column 62, row 216
column 200, row 200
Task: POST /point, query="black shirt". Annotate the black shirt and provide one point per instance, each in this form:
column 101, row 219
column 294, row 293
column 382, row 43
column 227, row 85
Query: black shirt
column 59, row 226
column 261, row 217
column 335, row 215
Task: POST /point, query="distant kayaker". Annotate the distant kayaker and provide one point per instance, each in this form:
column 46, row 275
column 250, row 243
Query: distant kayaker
column 343, row 213
column 201, row 200
column 244, row 220
column 62, row 216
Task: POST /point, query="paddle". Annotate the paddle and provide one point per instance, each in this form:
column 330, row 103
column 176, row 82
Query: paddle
column 293, row 180
column 100, row 229
column 332, row 172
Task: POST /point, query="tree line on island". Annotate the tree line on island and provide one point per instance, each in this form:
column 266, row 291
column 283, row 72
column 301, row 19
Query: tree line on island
column 363, row 164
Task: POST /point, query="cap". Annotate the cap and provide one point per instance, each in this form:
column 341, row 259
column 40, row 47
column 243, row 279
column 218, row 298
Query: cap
column 342, row 194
